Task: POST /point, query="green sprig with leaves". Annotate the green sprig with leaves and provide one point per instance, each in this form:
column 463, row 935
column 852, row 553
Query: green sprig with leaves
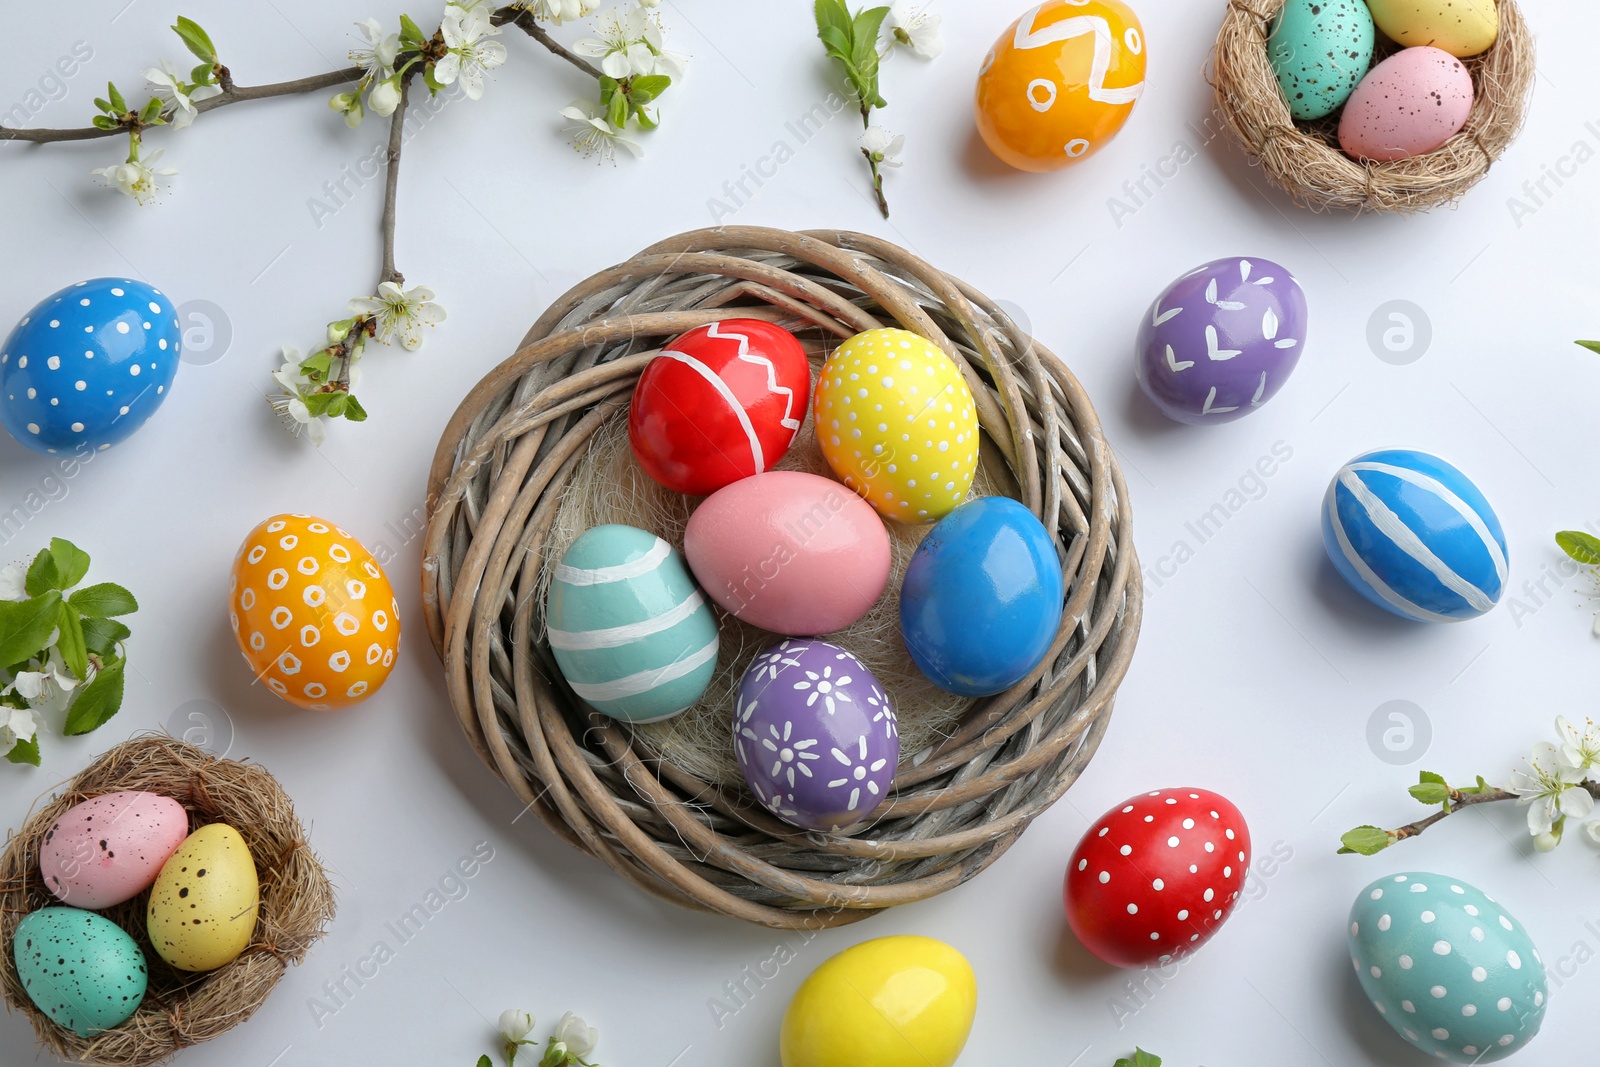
column 64, row 644
column 1140, row 1058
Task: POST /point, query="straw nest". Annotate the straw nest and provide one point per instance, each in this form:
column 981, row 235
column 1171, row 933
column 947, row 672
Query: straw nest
column 1305, row 159
column 180, row 1008
column 535, row 453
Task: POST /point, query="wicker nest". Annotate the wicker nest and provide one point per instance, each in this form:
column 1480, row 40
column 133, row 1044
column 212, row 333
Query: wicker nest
column 180, row 1008
column 1305, row 158
column 496, row 487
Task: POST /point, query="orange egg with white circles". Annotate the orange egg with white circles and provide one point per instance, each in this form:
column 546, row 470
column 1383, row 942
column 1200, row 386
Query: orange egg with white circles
column 313, row 612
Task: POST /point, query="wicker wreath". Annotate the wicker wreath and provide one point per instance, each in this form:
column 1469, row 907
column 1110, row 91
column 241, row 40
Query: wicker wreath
column 180, row 1008
column 494, row 490
column 1305, row 158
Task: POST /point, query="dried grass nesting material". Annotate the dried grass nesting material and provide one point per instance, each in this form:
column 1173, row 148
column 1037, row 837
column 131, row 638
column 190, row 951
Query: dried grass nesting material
column 180, row 1008
column 1305, row 160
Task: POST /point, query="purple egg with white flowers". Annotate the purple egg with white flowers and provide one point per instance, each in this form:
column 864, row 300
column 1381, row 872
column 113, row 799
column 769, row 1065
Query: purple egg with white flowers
column 815, row 735
column 1220, row 341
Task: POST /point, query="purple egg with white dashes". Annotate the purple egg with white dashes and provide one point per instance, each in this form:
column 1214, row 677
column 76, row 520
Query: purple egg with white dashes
column 815, row 735
column 1220, row 341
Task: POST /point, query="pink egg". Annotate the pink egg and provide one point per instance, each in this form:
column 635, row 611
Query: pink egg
column 110, row 848
column 789, row 552
column 1410, row 104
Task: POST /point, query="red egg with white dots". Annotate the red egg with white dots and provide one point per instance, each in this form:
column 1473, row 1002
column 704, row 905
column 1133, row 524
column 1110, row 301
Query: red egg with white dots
column 1157, row 875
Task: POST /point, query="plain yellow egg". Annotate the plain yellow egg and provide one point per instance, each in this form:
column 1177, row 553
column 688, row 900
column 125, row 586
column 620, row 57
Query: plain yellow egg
column 1461, row 27
column 203, row 906
column 900, row 1001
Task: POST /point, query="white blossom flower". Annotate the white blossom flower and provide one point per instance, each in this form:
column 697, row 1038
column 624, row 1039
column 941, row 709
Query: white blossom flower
column 471, row 54
column 593, row 135
column 400, row 312
column 166, row 82
column 17, row 725
column 559, row 11
column 13, row 581
column 297, row 418
column 290, row 375
column 1593, row 830
column 1580, row 748
column 376, row 57
column 1546, row 842
column 669, row 63
column 578, row 1038
column 915, row 28
column 882, row 146
column 1550, row 787
column 47, row 684
column 515, row 1025
column 385, row 96
column 620, row 43
column 138, row 178
column 349, row 105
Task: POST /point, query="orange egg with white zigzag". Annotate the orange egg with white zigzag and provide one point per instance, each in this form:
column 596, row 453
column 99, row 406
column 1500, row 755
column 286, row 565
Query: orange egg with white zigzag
column 313, row 612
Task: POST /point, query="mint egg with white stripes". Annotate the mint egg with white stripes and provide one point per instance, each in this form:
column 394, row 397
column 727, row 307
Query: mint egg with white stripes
column 1415, row 536
column 628, row 627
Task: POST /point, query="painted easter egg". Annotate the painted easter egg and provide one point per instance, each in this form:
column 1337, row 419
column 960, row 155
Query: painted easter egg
column 88, row 365
column 1447, row 967
column 1157, row 876
column 1460, row 27
column 110, row 848
column 982, row 598
column 720, row 403
column 203, row 906
column 79, row 968
column 633, row 636
column 1408, row 105
column 1415, row 536
column 313, row 612
column 901, row 1001
column 789, row 552
column 1320, row 49
column 897, row 424
column 815, row 735
column 1221, row 340
column 1060, row 82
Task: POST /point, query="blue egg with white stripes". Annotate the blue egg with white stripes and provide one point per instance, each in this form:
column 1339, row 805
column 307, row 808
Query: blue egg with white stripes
column 628, row 627
column 1415, row 536
column 88, row 365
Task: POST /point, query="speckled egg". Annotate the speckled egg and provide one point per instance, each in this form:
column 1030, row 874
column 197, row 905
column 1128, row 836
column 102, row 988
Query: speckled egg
column 1320, row 49
column 313, row 612
column 629, row 629
column 88, row 365
column 1221, row 340
column 1447, row 967
column 1408, row 105
column 897, row 424
column 1460, row 27
column 815, row 735
column 202, row 910
column 110, row 848
column 79, row 968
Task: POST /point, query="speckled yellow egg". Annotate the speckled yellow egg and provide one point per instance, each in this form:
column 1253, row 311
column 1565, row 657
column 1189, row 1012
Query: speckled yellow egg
column 314, row 614
column 202, row 910
column 897, row 424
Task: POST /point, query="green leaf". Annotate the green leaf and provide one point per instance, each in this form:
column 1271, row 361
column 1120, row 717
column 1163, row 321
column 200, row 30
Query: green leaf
column 1583, row 547
column 353, row 409
column 104, row 122
column 104, row 600
column 1593, row 346
column 97, row 701
column 119, row 106
column 151, row 111
column 646, row 88
column 25, row 752
column 1366, row 840
column 1141, row 1058
column 410, row 32
column 25, row 626
column 1430, row 793
column 864, row 36
column 434, row 84
column 71, row 642
column 645, row 119
column 195, row 39
column 103, row 104
column 100, row 636
column 617, row 111
column 832, row 14
column 203, row 74
column 72, row 561
column 43, row 574
column 483, row 1061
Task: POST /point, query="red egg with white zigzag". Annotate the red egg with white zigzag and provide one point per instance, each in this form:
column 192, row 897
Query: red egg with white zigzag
column 720, row 403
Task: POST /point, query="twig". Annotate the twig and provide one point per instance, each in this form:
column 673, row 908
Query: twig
column 523, row 19
column 391, row 182
column 238, row 94
column 1460, row 800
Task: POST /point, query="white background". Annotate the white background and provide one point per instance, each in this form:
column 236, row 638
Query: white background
column 1256, row 673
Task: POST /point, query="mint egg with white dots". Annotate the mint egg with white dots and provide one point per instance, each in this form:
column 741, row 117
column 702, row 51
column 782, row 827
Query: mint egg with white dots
column 88, row 365
column 1447, row 967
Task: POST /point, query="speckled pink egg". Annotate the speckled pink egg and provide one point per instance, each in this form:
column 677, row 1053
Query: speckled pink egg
column 1411, row 103
column 110, row 848
column 789, row 552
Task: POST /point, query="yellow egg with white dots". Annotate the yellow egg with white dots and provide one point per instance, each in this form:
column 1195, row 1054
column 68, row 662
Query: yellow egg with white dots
column 897, row 424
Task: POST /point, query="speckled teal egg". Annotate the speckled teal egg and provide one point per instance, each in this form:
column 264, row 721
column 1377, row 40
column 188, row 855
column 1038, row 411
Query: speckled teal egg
column 81, row 969
column 1447, row 967
column 1321, row 49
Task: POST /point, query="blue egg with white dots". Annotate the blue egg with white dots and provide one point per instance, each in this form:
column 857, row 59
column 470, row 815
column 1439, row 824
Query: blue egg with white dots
column 88, row 365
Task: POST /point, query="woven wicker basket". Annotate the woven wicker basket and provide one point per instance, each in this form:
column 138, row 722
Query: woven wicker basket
column 495, row 487
column 180, row 1008
column 1305, row 159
